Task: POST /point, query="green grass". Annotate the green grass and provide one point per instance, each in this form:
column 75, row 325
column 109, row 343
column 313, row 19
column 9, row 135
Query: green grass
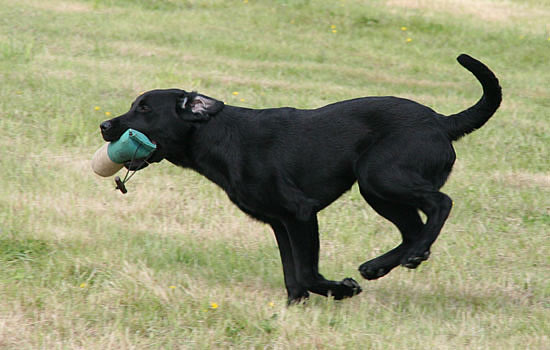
column 82, row 266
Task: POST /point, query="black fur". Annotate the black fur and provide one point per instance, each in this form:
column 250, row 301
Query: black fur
column 283, row 165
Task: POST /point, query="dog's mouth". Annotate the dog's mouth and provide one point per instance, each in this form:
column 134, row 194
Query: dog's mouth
column 138, row 163
column 110, row 136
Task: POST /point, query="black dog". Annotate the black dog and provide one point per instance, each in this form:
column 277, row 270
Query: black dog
column 283, row 165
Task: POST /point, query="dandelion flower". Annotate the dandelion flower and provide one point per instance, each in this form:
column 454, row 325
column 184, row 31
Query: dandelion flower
column 97, row 108
column 333, row 27
column 334, row 31
column 271, row 304
column 83, row 285
column 409, row 40
column 107, row 114
column 403, row 28
column 172, row 287
column 235, row 93
column 242, row 100
column 213, row 306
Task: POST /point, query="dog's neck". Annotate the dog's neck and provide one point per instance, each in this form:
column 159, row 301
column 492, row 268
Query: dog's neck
column 209, row 149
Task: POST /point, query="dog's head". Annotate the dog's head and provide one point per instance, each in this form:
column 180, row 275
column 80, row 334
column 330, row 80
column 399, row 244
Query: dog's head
column 164, row 116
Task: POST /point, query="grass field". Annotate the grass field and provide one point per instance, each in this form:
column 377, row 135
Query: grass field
column 173, row 264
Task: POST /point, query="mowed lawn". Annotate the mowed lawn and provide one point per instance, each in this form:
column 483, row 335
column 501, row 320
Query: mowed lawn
column 174, row 265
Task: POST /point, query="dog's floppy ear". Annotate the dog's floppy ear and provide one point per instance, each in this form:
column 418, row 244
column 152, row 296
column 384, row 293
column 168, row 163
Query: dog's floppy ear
column 196, row 107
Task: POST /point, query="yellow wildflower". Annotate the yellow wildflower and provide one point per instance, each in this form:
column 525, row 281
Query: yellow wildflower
column 83, row 285
column 107, row 114
column 172, row 287
column 409, row 40
column 97, row 108
column 403, row 28
column 214, row 306
column 235, row 93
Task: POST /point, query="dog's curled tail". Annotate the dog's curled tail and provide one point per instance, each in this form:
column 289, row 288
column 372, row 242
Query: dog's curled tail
column 460, row 124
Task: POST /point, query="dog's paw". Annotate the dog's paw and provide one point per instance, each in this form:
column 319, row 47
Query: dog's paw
column 411, row 261
column 371, row 272
column 297, row 299
column 348, row 287
column 353, row 285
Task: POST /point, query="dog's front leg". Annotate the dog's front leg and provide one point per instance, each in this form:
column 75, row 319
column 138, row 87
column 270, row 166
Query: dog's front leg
column 304, row 242
column 296, row 292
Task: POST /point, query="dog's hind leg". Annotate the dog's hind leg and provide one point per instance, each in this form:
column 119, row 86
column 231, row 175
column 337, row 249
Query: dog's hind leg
column 304, row 240
column 397, row 184
column 437, row 206
column 407, row 220
column 296, row 292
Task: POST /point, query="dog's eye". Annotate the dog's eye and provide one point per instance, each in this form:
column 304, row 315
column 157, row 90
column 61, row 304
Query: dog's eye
column 143, row 109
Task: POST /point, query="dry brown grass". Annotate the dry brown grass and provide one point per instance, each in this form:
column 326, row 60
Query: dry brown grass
column 60, row 6
column 486, row 10
column 524, row 180
column 525, row 17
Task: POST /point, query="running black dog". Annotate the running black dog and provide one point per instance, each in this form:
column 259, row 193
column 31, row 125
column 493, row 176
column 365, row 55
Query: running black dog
column 283, row 165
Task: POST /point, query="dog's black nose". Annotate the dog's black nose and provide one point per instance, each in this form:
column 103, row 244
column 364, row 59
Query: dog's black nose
column 105, row 125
